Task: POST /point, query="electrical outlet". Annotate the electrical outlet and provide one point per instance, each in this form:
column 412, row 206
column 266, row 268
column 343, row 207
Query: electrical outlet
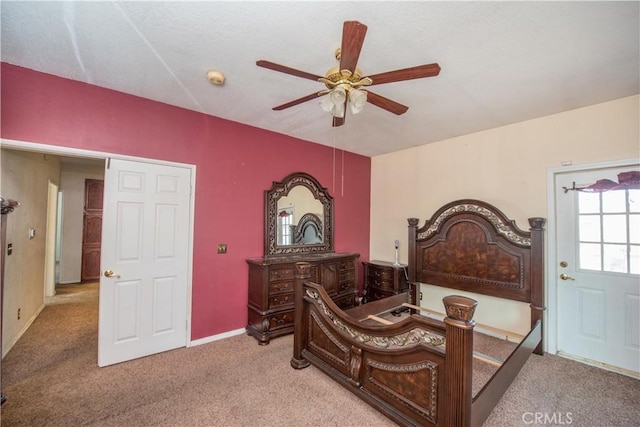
column 420, row 296
column 222, row 248
column 19, row 314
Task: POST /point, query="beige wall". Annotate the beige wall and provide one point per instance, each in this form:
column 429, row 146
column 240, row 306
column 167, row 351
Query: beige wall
column 504, row 166
column 25, row 177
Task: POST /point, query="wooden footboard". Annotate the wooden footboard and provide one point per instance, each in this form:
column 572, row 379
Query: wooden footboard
column 402, row 369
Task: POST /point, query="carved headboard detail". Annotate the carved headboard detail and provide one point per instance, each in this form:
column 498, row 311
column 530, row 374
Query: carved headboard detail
column 472, row 246
column 308, row 230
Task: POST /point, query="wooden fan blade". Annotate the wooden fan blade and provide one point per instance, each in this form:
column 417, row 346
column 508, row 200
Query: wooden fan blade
column 418, row 72
column 287, row 70
column 386, row 104
column 297, row 101
column 353, row 34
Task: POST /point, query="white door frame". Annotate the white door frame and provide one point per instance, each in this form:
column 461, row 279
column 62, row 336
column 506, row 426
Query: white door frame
column 77, row 152
column 551, row 314
column 50, row 241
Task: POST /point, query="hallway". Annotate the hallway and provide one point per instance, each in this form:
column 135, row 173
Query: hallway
column 67, row 324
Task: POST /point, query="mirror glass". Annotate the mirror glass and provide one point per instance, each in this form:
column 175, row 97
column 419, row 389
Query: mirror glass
column 299, row 217
column 298, row 213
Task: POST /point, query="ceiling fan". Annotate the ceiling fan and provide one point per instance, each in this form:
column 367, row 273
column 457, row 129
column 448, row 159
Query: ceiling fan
column 344, row 82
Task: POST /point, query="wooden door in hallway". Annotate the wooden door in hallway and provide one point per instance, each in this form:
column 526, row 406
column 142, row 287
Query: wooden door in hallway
column 92, row 229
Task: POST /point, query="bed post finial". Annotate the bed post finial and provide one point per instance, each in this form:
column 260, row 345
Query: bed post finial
column 303, row 273
column 459, row 325
column 460, row 308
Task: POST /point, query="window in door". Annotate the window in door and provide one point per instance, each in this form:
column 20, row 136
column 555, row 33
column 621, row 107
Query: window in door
column 609, row 231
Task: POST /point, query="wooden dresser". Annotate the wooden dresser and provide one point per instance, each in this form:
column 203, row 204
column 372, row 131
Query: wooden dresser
column 383, row 279
column 271, row 289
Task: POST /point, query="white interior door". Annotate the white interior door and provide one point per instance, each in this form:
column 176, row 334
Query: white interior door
column 598, row 271
column 145, row 260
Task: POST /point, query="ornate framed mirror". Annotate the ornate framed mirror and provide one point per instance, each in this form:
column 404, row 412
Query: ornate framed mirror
column 298, row 217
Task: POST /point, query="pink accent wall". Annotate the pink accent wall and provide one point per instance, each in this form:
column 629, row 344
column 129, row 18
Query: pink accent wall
column 235, row 164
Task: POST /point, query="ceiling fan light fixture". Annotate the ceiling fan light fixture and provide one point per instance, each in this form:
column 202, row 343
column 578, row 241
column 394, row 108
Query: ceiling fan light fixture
column 338, row 95
column 357, row 100
column 327, row 104
column 334, row 103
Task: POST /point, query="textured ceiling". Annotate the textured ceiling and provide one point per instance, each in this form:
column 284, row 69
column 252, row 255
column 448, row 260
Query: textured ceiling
column 502, row 62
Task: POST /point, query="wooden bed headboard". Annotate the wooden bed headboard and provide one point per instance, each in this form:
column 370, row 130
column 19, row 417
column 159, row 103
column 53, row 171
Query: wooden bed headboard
column 472, row 246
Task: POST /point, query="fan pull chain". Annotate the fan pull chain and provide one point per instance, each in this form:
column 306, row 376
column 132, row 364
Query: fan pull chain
column 333, row 163
column 342, row 177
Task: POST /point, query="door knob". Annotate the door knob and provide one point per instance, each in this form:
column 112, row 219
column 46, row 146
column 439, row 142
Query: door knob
column 110, row 273
column 566, row 277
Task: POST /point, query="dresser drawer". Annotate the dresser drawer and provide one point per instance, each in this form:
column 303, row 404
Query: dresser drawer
column 376, row 294
column 347, row 275
column 282, row 273
column 281, row 300
column 348, row 285
column 281, row 320
column 380, row 273
column 281, row 286
column 380, row 283
column 346, row 302
column 347, row 265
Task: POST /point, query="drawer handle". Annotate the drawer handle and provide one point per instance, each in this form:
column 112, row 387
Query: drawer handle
column 283, row 318
column 280, row 301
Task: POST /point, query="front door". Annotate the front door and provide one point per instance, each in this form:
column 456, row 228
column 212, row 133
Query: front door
column 145, row 260
column 598, row 271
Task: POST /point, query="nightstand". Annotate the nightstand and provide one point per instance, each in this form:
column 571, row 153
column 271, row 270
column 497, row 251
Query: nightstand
column 383, row 279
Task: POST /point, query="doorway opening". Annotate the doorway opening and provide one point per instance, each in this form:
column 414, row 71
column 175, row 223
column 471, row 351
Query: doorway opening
column 80, row 156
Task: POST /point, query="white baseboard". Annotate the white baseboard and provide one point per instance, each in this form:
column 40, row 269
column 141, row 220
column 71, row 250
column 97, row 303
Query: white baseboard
column 217, row 337
column 602, row 365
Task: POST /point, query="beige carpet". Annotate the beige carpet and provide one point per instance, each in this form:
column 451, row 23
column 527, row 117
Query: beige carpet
column 51, row 378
